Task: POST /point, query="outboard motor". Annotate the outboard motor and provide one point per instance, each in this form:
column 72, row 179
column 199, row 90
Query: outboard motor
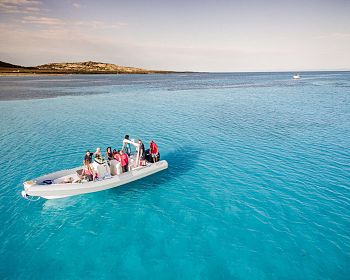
column 148, row 155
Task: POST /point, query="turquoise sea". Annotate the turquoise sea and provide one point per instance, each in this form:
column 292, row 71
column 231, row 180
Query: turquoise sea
column 258, row 185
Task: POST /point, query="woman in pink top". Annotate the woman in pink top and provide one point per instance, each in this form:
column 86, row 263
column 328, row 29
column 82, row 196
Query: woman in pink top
column 116, row 155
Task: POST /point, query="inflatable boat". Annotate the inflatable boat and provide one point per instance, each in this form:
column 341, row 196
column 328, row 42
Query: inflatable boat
column 61, row 184
column 68, row 182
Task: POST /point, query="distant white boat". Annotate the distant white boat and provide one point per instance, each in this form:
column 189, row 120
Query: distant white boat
column 296, row 76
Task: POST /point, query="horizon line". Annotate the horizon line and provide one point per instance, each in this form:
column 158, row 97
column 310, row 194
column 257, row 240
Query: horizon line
column 194, row 71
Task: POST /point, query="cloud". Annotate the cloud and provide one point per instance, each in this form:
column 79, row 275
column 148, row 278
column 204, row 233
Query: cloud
column 60, row 44
column 51, row 38
column 52, row 21
column 19, row 6
column 95, row 24
column 341, row 35
column 32, row 9
column 335, row 35
column 43, row 20
column 33, row 13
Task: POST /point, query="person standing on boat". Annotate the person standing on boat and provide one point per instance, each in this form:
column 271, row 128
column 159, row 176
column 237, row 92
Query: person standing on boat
column 124, row 161
column 154, row 150
column 141, row 151
column 126, row 146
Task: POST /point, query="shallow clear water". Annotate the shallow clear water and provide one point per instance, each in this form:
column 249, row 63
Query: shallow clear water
column 258, row 185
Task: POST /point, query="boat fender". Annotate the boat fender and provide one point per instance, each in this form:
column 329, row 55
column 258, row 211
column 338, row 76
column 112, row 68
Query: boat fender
column 47, row 182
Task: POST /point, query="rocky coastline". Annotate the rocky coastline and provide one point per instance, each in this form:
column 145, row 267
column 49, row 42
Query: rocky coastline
column 88, row 67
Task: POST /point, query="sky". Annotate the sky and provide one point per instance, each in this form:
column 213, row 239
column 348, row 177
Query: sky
column 192, row 35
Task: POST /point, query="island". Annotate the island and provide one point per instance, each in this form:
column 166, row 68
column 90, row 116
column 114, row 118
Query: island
column 88, row 67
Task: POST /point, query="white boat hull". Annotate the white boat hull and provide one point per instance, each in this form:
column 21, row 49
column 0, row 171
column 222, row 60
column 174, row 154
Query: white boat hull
column 60, row 190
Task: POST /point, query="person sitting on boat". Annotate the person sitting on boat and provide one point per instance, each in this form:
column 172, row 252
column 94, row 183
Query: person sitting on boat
column 98, row 156
column 154, row 150
column 116, row 155
column 100, row 165
column 88, row 172
column 124, row 161
column 141, row 151
column 114, row 163
column 88, row 156
column 126, row 146
column 109, row 154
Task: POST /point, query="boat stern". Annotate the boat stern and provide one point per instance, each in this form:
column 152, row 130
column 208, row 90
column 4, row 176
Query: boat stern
column 27, row 185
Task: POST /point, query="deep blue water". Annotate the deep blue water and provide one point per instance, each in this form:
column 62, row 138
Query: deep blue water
column 258, row 185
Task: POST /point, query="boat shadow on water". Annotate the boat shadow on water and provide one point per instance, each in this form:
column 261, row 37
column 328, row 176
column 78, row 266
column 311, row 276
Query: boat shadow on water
column 181, row 161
